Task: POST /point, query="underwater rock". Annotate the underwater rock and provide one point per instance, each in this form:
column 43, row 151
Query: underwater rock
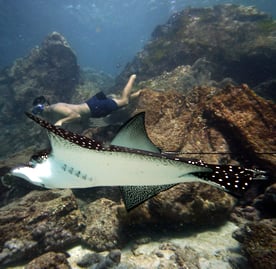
column 175, row 123
column 16, row 249
column 110, row 261
column 49, row 260
column 90, row 259
column 239, row 41
column 185, row 204
column 182, row 79
column 266, row 202
column 270, row 196
column 40, row 221
column 102, row 225
column 191, row 204
column 50, row 70
column 215, row 121
column 185, row 257
column 243, row 214
column 258, row 240
column 185, row 78
column 242, row 128
column 90, row 83
column 267, row 89
column 247, row 122
column 98, row 261
column 262, row 207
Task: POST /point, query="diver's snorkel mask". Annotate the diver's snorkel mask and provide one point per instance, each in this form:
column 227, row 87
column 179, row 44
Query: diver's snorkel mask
column 38, row 109
column 39, row 105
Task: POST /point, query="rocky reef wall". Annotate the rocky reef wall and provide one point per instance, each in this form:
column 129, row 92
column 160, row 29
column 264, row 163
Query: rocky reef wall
column 51, row 70
column 237, row 42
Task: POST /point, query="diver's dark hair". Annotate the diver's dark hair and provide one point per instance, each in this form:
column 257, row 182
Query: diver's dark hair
column 40, row 100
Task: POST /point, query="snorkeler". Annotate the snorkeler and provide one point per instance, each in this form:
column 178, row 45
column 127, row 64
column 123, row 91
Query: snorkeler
column 97, row 106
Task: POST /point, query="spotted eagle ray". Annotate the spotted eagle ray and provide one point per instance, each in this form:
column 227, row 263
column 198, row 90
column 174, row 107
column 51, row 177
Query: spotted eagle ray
column 131, row 161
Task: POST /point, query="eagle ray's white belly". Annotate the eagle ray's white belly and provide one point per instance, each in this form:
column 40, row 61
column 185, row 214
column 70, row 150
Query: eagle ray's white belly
column 105, row 168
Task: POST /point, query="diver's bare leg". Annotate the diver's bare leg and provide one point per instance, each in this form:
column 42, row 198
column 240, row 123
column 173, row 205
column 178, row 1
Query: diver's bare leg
column 124, row 100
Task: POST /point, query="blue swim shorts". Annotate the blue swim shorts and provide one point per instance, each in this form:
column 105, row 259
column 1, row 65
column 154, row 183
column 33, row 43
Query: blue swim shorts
column 101, row 106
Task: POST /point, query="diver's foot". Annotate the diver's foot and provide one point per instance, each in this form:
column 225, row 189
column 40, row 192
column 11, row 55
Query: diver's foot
column 136, row 94
column 132, row 77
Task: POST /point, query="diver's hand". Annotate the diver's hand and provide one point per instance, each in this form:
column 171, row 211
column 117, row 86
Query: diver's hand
column 70, row 118
column 58, row 123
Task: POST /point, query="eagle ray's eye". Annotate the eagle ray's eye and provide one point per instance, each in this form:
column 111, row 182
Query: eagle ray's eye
column 36, row 159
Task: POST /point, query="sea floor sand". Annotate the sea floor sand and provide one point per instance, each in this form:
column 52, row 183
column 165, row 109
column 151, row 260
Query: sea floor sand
column 211, row 249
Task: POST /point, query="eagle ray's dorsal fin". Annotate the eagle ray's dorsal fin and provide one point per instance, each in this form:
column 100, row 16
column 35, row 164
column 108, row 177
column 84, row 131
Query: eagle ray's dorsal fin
column 133, row 135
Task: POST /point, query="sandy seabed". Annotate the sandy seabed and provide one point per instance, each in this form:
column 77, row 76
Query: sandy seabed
column 214, row 248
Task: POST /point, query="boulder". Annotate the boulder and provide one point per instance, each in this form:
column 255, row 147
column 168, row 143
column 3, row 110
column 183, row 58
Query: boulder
column 247, row 122
column 97, row 261
column 41, row 221
column 258, row 240
column 191, row 204
column 266, row 202
column 49, row 260
column 243, row 214
column 50, row 70
column 232, row 124
column 103, row 227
